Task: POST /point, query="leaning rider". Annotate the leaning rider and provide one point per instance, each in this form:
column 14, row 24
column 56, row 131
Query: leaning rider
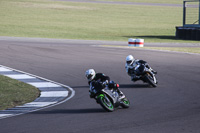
column 132, row 63
column 91, row 75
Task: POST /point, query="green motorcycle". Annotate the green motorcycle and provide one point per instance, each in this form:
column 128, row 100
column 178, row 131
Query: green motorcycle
column 108, row 98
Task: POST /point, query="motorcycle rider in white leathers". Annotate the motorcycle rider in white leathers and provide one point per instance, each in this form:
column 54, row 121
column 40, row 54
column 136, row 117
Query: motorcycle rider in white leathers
column 133, row 64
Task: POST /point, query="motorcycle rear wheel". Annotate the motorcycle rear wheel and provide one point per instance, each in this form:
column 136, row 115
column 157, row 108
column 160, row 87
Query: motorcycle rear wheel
column 105, row 102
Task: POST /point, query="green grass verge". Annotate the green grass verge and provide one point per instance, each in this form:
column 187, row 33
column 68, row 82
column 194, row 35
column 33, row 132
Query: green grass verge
column 151, row 1
column 14, row 92
column 177, row 49
column 89, row 21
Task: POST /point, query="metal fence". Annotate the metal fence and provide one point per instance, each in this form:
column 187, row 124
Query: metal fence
column 191, row 13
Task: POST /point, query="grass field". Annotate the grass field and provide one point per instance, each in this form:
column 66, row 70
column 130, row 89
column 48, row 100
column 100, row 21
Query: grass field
column 177, row 49
column 90, row 21
column 13, row 93
column 151, row 1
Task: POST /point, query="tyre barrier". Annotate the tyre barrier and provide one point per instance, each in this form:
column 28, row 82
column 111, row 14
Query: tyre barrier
column 136, row 42
column 188, row 33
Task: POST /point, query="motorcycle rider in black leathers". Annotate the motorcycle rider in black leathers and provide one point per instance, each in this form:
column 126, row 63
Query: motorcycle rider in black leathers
column 91, row 75
column 133, row 64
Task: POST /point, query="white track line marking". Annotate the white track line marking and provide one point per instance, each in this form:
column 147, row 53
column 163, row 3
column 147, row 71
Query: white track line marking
column 2, row 69
column 37, row 104
column 5, row 115
column 54, row 94
column 44, row 84
column 20, row 76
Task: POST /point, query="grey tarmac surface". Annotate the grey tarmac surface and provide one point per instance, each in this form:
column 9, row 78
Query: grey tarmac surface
column 174, row 106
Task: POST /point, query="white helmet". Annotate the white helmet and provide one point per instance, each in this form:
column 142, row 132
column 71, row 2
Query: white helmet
column 129, row 59
column 90, row 74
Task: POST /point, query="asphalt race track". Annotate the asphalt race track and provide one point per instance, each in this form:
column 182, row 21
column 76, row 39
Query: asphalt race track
column 174, row 106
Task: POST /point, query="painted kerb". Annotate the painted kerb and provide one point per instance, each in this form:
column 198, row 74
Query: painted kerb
column 52, row 93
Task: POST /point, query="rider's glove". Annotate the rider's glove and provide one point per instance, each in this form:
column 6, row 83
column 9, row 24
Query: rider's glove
column 105, row 83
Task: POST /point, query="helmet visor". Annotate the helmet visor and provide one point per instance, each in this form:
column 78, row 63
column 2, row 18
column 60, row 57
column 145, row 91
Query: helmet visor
column 129, row 62
column 89, row 76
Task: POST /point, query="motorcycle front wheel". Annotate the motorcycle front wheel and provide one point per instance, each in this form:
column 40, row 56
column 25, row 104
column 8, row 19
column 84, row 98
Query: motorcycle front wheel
column 151, row 80
column 125, row 103
column 105, row 102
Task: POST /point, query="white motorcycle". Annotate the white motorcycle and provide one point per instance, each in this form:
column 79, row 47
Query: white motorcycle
column 141, row 72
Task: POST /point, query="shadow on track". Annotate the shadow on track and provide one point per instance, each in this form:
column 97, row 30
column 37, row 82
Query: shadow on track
column 80, row 87
column 134, row 86
column 71, row 111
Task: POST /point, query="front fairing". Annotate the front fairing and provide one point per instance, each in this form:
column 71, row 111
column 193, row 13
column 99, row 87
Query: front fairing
column 113, row 95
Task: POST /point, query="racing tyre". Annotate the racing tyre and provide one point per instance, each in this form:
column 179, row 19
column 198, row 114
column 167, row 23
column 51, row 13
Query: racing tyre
column 125, row 103
column 151, row 80
column 105, row 102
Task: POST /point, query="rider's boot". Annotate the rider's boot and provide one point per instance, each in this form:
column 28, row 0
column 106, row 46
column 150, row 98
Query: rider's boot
column 134, row 78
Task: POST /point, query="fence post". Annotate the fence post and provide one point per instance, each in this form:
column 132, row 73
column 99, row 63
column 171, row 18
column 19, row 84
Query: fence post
column 184, row 8
column 199, row 12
